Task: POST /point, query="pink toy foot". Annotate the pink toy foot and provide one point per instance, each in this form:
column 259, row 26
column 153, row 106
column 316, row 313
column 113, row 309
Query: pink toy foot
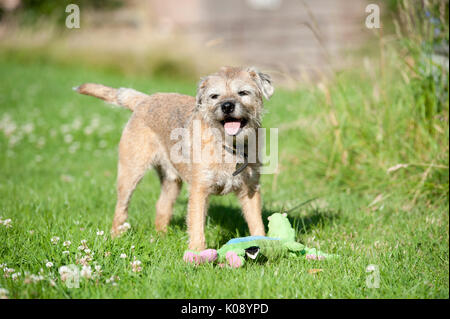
column 189, row 257
column 208, row 255
column 315, row 257
column 233, row 259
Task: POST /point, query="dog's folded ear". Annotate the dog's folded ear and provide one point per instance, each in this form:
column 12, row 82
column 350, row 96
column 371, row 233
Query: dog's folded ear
column 201, row 90
column 263, row 82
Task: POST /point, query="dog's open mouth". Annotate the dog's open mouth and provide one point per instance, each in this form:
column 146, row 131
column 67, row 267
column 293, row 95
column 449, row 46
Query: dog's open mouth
column 233, row 125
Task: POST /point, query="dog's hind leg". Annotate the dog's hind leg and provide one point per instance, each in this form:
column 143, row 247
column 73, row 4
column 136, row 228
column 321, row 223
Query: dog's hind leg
column 137, row 148
column 170, row 188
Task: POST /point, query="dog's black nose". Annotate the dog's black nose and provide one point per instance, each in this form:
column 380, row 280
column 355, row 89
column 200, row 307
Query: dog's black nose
column 227, row 107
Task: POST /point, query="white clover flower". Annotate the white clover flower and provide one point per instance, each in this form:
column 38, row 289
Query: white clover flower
column 67, row 272
column 65, row 128
column 49, row 264
column 4, row 293
column 88, row 130
column 123, row 256
column 76, row 124
column 87, row 251
column 66, row 252
column 100, row 232
column 124, row 227
column 83, row 245
column 98, row 271
column 54, row 240
column 15, row 275
column 95, row 122
column 64, row 270
column 37, row 278
column 28, row 128
column 7, row 223
column 113, row 280
column 14, row 140
column 68, row 138
column 136, row 265
column 40, row 142
column 371, row 268
column 84, row 260
column 86, row 272
column 67, row 243
column 7, row 271
column 132, row 247
column 74, row 147
column 10, row 129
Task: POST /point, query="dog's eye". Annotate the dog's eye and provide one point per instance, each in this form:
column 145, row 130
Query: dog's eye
column 243, row 93
column 214, row 96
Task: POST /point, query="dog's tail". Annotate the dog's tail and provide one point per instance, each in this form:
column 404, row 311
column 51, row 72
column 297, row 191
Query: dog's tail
column 128, row 98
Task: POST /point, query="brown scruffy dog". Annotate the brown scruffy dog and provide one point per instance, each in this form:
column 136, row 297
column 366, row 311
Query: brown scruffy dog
column 228, row 105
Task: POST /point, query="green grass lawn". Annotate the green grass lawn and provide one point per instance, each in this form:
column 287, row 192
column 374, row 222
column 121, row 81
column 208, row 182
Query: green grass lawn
column 58, row 171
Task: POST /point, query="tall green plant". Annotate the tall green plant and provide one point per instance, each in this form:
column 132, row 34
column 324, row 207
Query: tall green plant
column 424, row 33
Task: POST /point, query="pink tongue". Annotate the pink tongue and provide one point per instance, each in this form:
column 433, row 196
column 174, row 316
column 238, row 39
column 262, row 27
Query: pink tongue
column 232, row 127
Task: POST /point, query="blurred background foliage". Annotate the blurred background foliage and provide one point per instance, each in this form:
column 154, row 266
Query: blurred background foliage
column 389, row 106
column 31, row 11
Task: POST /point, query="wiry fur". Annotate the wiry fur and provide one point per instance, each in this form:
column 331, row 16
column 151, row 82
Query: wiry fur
column 146, row 143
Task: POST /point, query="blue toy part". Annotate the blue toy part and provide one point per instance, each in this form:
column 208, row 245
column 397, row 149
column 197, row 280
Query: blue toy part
column 249, row 238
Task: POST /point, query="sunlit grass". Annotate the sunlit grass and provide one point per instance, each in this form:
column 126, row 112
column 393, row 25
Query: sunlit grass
column 58, row 171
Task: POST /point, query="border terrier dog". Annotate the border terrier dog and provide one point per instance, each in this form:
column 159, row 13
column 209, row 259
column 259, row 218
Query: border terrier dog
column 228, row 104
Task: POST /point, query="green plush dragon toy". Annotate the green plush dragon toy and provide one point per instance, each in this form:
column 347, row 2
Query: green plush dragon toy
column 279, row 243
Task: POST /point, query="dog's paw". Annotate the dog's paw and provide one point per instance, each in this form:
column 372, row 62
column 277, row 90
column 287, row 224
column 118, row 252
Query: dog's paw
column 117, row 231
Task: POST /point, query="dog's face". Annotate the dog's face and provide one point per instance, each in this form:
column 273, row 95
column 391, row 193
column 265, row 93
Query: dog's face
column 231, row 99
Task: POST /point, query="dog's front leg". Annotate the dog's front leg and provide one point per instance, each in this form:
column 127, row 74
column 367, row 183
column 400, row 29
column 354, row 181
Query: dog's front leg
column 251, row 207
column 197, row 209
